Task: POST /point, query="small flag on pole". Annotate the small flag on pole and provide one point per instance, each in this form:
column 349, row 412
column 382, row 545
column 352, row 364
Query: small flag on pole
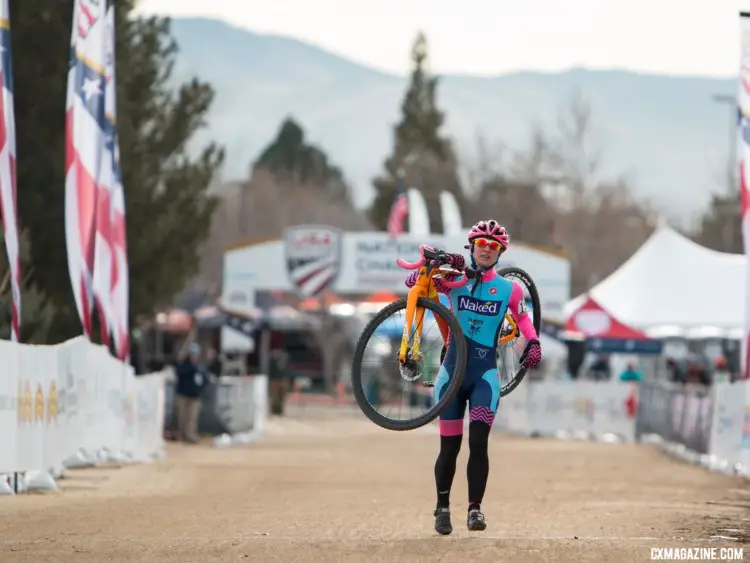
column 399, row 211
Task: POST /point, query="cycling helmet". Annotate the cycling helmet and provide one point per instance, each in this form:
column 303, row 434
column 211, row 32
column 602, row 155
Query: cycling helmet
column 490, row 229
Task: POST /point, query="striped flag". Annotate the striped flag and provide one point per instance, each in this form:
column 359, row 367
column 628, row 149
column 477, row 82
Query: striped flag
column 103, row 251
column 399, row 211
column 8, row 197
column 119, row 276
column 84, row 118
column 743, row 163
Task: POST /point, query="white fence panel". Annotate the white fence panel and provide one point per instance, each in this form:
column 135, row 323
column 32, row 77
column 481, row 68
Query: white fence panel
column 75, row 404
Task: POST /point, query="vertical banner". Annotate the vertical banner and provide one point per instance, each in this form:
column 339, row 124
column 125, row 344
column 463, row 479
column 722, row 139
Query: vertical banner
column 104, row 262
column 84, row 116
column 743, row 160
column 419, row 220
column 451, row 214
column 8, row 197
column 120, row 286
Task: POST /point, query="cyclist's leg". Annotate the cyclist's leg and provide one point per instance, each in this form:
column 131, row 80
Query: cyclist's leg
column 483, row 402
column 451, row 423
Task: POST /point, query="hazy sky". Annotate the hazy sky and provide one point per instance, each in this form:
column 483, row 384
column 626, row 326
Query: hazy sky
column 494, row 36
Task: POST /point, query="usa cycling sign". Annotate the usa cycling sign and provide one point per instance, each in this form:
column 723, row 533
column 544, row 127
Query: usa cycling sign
column 313, row 257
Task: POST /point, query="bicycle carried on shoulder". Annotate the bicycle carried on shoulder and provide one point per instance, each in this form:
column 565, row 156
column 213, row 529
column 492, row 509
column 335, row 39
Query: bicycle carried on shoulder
column 412, row 364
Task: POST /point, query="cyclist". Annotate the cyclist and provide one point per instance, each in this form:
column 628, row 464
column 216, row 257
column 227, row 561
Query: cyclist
column 480, row 308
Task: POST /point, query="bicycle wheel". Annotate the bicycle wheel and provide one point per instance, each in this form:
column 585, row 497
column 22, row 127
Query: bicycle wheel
column 536, row 314
column 449, row 393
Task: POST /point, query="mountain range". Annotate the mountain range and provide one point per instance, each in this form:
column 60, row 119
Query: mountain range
column 668, row 134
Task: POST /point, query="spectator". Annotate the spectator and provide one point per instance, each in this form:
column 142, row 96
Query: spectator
column 631, row 373
column 675, row 372
column 278, row 382
column 697, row 374
column 721, row 373
column 191, row 380
column 600, row 370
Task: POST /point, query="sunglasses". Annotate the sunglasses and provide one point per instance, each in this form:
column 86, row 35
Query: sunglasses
column 492, row 244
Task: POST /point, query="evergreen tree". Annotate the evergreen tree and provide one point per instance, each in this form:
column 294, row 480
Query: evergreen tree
column 167, row 204
column 424, row 156
column 291, row 159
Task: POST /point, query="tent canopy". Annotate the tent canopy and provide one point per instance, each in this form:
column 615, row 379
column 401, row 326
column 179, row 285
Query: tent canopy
column 594, row 321
column 673, row 283
column 605, row 334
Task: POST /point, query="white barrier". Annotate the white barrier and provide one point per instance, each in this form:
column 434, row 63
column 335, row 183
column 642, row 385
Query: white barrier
column 583, row 409
column 72, row 405
column 727, row 421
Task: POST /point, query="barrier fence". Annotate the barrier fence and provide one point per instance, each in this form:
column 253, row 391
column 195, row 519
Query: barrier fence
column 677, row 414
column 602, row 410
column 232, row 405
column 710, row 427
column 705, row 425
column 72, row 405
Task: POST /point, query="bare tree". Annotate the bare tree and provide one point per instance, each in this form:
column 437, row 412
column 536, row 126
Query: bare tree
column 599, row 222
column 554, row 194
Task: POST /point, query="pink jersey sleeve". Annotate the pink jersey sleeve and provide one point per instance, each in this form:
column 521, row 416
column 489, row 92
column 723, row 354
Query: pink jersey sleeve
column 517, row 307
column 438, row 282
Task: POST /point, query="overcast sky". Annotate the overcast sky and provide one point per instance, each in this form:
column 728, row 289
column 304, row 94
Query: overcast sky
column 495, row 36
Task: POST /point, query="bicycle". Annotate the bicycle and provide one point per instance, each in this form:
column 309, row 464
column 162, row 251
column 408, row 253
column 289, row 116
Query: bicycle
column 423, row 297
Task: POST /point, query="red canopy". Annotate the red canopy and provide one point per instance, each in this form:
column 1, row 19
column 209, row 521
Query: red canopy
column 594, row 321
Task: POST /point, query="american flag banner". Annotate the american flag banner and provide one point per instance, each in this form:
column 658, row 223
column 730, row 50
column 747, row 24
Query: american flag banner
column 743, row 161
column 84, row 131
column 119, row 277
column 8, row 197
column 103, row 251
column 399, row 211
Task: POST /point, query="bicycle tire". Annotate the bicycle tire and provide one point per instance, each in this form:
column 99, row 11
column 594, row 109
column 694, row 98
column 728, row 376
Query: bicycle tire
column 536, row 304
column 448, row 395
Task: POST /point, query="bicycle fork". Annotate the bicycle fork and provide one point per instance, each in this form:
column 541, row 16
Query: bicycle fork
column 412, row 313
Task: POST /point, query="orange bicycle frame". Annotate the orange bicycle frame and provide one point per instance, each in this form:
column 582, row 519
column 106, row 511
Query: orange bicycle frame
column 424, row 287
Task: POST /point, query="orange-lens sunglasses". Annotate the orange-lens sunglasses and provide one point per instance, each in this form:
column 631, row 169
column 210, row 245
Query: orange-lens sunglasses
column 493, row 244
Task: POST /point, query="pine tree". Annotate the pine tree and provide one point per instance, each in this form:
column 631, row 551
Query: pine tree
column 421, row 153
column 291, row 159
column 167, row 204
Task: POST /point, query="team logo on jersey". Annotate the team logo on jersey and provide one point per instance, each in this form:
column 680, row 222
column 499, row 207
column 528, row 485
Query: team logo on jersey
column 478, row 306
column 313, row 256
column 493, row 290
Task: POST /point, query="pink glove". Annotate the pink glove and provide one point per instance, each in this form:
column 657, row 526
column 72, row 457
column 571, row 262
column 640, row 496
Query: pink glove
column 532, row 354
column 456, row 261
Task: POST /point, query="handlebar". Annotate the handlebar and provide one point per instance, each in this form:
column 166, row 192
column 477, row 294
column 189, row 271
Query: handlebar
column 426, row 252
column 437, row 255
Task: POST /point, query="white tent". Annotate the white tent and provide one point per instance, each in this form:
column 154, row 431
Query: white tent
column 674, row 287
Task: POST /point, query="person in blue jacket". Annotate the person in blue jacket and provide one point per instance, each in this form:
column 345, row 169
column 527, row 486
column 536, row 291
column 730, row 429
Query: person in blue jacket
column 191, row 380
column 631, row 373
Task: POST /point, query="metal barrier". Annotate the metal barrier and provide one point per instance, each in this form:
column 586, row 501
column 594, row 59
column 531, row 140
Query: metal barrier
column 227, row 406
column 678, row 414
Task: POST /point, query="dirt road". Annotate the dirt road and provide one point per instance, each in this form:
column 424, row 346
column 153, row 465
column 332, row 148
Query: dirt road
column 333, row 487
